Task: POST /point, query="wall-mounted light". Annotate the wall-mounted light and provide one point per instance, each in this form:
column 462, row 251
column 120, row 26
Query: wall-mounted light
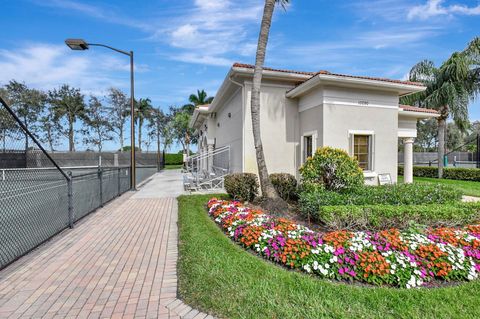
column 206, row 127
column 229, row 115
column 218, row 124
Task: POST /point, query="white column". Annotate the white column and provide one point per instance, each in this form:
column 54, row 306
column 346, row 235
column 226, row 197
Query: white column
column 408, row 160
column 210, row 149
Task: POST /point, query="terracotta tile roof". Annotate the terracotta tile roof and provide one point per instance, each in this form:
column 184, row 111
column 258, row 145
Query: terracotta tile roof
column 250, row 66
column 371, row 78
column 416, row 109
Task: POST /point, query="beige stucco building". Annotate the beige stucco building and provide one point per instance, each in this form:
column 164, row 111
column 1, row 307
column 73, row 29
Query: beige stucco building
column 301, row 111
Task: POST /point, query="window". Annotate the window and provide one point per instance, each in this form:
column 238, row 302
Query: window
column 307, row 146
column 362, row 150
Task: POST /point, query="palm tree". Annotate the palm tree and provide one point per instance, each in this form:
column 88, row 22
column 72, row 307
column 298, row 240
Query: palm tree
column 450, row 87
column 200, row 98
column 268, row 191
column 143, row 111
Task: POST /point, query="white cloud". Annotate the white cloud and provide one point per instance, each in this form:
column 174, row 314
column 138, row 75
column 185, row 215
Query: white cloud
column 213, row 31
column 209, row 32
column 47, row 66
column 106, row 14
column 433, row 8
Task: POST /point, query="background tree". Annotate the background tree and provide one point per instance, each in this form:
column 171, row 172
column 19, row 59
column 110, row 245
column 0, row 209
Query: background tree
column 201, row 98
column 8, row 127
column 68, row 104
column 266, row 186
column 50, row 128
column 450, row 87
column 158, row 126
column 455, row 138
column 98, row 128
column 143, row 110
column 426, row 140
column 27, row 103
column 119, row 105
column 181, row 131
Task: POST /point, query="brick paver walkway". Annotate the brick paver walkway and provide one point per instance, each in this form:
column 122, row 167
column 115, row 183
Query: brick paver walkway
column 120, row 262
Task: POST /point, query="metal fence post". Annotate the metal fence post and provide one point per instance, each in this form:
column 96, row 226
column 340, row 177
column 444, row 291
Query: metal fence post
column 70, row 199
column 478, row 150
column 118, row 179
column 100, row 179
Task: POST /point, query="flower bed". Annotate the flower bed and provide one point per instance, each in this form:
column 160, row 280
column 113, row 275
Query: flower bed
column 404, row 259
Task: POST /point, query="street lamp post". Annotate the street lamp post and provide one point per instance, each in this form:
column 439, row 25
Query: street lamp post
column 81, row 45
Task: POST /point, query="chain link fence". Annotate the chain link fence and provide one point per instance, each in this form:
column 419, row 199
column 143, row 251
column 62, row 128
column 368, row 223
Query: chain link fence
column 38, row 198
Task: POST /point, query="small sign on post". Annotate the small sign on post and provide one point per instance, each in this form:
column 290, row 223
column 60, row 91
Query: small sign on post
column 384, row 179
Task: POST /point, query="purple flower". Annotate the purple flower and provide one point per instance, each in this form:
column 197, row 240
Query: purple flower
column 339, row 251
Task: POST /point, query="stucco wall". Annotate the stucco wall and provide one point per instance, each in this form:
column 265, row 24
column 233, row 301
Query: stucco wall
column 228, row 130
column 279, row 130
column 342, row 117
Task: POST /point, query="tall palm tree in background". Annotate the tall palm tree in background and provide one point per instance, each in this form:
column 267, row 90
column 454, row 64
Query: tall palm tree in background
column 200, row 98
column 143, row 111
column 268, row 191
column 450, row 88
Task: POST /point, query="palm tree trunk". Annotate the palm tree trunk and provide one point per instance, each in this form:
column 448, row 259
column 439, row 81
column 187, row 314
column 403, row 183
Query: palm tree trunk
column 265, row 184
column 441, row 144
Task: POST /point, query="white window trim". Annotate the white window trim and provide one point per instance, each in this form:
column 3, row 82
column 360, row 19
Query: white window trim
column 351, row 134
column 314, row 136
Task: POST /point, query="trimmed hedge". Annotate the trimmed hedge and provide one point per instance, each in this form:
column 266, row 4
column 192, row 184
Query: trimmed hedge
column 173, row 159
column 285, row 184
column 399, row 194
column 380, row 217
column 455, row 173
column 242, row 186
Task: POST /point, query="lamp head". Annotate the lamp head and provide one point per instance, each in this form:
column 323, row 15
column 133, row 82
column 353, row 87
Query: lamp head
column 77, row 44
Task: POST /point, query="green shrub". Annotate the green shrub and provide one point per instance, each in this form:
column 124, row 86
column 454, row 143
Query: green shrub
column 380, row 217
column 464, row 174
column 285, row 185
column 173, row 159
column 455, row 173
column 242, row 186
column 332, row 169
column 399, row 194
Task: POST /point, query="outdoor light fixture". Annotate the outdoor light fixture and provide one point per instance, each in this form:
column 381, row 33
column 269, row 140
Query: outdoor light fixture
column 81, row 45
column 77, row 44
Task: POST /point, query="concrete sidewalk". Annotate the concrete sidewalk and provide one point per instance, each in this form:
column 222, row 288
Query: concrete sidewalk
column 119, row 262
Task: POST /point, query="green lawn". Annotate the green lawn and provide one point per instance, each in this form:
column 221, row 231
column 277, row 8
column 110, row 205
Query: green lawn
column 466, row 187
column 221, row 278
column 177, row 166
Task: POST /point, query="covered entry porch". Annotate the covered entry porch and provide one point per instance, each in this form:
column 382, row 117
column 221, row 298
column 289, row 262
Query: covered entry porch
column 408, row 117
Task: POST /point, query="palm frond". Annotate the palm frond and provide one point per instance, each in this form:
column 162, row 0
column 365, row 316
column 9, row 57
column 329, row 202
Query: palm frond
column 424, row 71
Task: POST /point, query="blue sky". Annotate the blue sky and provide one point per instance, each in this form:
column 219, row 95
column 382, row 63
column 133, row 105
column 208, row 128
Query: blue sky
column 181, row 46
